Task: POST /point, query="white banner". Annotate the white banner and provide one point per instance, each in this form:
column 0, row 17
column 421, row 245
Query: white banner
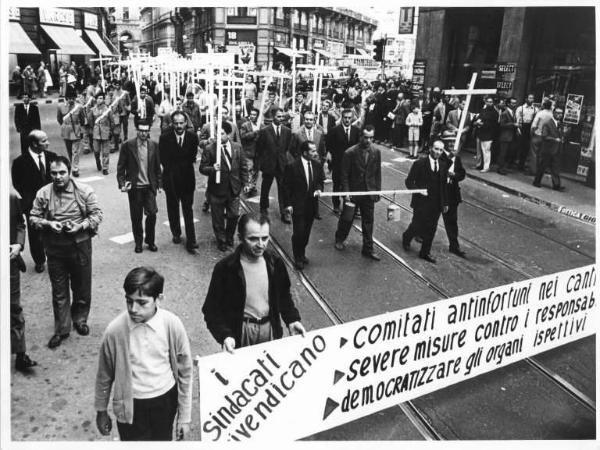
column 297, row 386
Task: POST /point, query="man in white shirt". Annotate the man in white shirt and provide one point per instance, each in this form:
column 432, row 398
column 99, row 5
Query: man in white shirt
column 525, row 115
column 145, row 356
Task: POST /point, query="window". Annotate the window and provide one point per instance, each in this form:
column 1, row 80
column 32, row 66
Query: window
column 251, row 12
column 302, row 19
column 125, row 13
column 296, row 18
column 279, row 13
column 232, row 11
column 241, row 12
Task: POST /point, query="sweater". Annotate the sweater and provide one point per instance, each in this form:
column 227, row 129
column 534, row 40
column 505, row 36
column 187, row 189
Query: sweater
column 114, row 368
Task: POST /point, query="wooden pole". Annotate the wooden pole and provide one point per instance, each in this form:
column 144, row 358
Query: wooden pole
column 281, row 90
column 243, row 96
column 262, row 100
column 315, row 77
column 219, row 120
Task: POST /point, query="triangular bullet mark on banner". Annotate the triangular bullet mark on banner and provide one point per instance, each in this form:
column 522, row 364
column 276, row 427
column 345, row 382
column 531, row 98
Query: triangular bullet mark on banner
column 330, row 406
column 343, row 342
column 337, row 376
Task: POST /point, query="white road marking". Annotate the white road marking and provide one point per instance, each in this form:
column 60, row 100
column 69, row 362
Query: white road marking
column 181, row 221
column 89, row 179
column 123, row 239
column 256, row 199
column 387, row 164
column 400, row 159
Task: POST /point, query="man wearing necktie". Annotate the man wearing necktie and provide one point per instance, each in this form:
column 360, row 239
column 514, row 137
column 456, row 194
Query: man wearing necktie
column 27, row 118
column 302, row 179
column 30, row 171
column 552, row 139
column 429, row 173
column 224, row 197
column 456, row 173
column 178, row 149
column 361, row 171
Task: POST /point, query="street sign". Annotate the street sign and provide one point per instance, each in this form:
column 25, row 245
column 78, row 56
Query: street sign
column 406, row 20
column 573, row 108
column 294, row 387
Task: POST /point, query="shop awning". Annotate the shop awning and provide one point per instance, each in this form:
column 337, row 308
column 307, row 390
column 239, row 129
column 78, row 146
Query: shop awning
column 98, row 43
column 19, row 42
column 67, row 41
column 289, row 52
column 324, row 53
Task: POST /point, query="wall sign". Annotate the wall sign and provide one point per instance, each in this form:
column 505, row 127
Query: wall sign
column 57, row 16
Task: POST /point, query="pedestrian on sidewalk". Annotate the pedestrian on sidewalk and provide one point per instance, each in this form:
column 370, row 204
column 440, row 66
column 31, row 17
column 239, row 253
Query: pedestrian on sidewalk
column 139, row 174
column 30, row 172
column 68, row 215
column 525, row 115
column 542, row 117
column 145, row 359
column 249, row 291
column 414, row 122
column 23, row 363
column 429, row 173
column 486, row 124
column 508, row 134
column 552, row 140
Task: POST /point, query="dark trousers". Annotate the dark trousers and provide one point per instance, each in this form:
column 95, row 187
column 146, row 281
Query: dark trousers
column 336, row 178
column 70, row 264
column 548, row 159
column 36, row 245
column 398, row 134
column 125, row 123
column 187, row 200
column 451, row 225
column 504, row 154
column 69, row 145
column 265, row 187
column 17, row 321
column 367, row 211
column 152, row 418
column 143, row 201
column 24, row 142
column 301, row 226
column 524, row 143
column 224, row 212
column 424, row 224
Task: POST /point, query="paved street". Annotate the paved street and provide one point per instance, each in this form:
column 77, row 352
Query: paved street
column 506, row 239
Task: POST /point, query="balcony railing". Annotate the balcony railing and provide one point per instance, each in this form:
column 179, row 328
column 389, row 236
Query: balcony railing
column 245, row 20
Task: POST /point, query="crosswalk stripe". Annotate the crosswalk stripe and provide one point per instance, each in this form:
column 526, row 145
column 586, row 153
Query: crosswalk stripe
column 123, row 239
column 89, row 179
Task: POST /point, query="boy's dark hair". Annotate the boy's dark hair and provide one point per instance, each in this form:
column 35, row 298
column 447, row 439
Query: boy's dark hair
column 259, row 218
column 144, row 280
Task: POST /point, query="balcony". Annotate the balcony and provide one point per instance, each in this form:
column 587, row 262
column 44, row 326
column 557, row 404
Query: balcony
column 282, row 23
column 241, row 20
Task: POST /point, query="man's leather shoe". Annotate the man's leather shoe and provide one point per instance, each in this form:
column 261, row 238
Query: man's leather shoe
column 305, row 260
column 285, row 218
column 152, row 247
column 75, row 173
column 340, row 246
column 105, row 172
column 405, row 244
column 558, row 188
column 372, row 255
column 176, row 239
column 299, row 265
column 138, row 249
column 229, row 242
column 222, row 246
column 39, row 268
column 428, row 258
column 458, row 252
column 24, row 363
column 419, row 239
column 205, row 207
column 82, row 328
column 264, row 212
column 56, row 340
column 336, row 210
column 193, row 245
column 537, row 184
column 502, row 172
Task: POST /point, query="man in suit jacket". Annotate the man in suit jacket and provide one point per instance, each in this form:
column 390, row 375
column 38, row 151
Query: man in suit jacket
column 30, row 171
column 272, row 154
column 487, row 125
column 361, row 171
column 341, row 137
column 143, row 106
column 27, row 118
column 427, row 173
column 326, row 120
column 308, row 132
column 138, row 174
column 249, row 132
column 453, row 122
column 507, row 135
column 552, row 138
column 178, row 148
column 301, row 180
column 224, row 197
column 456, row 173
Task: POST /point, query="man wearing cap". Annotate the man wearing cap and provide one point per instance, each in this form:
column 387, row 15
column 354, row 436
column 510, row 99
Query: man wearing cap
column 71, row 118
column 139, row 174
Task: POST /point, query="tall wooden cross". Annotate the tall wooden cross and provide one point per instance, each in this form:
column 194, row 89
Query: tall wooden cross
column 470, row 91
column 317, row 70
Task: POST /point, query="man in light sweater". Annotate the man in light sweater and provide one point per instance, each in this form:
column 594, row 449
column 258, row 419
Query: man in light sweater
column 145, row 354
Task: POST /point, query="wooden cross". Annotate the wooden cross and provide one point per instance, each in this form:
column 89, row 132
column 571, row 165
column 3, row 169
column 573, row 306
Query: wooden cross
column 469, row 92
column 318, row 70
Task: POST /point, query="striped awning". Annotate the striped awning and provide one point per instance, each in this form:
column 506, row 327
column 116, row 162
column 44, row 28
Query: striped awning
column 19, row 42
column 98, row 43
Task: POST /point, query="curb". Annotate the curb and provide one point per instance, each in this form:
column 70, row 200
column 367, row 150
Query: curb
column 557, row 207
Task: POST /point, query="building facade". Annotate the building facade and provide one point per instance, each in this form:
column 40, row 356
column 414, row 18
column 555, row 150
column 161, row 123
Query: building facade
column 541, row 50
column 57, row 35
column 262, row 35
column 125, row 29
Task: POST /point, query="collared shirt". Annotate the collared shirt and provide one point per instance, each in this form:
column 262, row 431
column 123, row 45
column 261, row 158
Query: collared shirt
column 305, row 163
column 151, row 373
column 324, row 122
column 226, row 147
column 142, row 108
column 255, row 126
column 277, row 129
column 142, row 151
column 451, row 168
column 26, row 109
column 310, row 134
column 347, row 132
column 179, row 138
column 434, row 163
column 526, row 113
column 36, row 158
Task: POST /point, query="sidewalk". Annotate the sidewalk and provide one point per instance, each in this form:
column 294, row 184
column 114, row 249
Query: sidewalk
column 577, row 200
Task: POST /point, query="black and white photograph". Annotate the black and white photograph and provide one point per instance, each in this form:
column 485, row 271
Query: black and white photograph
column 358, row 222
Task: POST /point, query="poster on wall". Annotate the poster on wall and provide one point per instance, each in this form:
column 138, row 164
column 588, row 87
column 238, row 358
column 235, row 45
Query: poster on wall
column 418, row 77
column 505, row 77
column 573, row 108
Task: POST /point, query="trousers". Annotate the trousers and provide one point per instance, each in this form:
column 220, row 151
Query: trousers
column 17, row 321
column 367, row 212
column 265, row 188
column 186, row 199
column 142, row 201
